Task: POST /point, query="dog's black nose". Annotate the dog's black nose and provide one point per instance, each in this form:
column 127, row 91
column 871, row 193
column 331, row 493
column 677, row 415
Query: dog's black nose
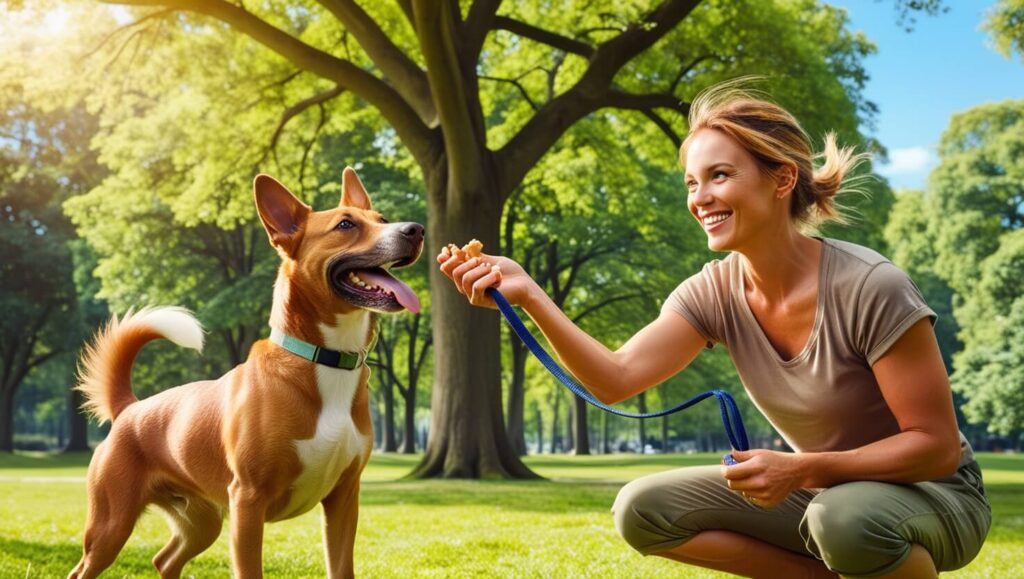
column 413, row 231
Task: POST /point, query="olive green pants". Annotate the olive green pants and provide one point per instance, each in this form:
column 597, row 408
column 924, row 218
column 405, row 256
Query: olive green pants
column 860, row 528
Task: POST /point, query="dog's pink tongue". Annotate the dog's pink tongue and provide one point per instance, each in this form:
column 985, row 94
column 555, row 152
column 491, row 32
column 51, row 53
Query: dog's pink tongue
column 403, row 293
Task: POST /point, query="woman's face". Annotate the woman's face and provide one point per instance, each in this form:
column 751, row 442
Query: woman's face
column 732, row 199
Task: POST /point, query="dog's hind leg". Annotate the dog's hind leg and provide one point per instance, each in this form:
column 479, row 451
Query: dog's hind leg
column 195, row 523
column 116, row 491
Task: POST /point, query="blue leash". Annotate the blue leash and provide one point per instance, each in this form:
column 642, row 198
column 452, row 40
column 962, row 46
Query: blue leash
column 730, row 412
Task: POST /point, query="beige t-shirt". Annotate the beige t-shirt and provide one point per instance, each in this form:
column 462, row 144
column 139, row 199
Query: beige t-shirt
column 825, row 398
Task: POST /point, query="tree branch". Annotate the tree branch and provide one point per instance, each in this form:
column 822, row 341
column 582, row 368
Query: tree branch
column 309, row 146
column 685, row 70
column 297, row 109
column 665, row 127
column 158, row 14
column 407, row 77
column 463, row 144
column 543, row 36
column 646, row 103
column 479, row 22
column 591, row 309
column 523, row 151
column 515, row 83
column 413, row 132
column 641, row 102
column 406, row 6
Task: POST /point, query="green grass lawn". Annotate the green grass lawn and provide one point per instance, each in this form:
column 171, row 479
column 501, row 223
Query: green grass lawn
column 556, row 528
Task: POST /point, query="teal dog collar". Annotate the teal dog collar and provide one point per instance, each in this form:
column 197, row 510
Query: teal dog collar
column 329, row 358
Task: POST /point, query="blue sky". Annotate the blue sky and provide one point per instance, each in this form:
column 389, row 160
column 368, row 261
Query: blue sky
column 920, row 78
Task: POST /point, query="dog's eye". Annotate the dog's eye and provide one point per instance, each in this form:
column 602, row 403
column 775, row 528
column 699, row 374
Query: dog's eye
column 345, row 224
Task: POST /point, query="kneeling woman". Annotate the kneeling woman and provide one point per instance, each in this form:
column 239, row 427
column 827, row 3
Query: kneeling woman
column 834, row 345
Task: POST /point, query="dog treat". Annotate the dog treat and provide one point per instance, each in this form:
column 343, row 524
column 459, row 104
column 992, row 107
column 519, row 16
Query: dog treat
column 468, row 251
column 454, row 250
column 473, row 248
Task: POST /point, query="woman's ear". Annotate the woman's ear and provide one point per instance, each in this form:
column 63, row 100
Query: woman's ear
column 785, row 180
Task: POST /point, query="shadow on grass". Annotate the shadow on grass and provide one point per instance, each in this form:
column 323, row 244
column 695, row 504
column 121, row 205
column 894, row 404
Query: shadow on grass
column 44, row 460
column 45, row 555
column 36, row 559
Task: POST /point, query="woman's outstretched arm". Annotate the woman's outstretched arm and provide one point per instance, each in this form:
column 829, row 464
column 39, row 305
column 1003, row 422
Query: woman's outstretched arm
column 651, row 356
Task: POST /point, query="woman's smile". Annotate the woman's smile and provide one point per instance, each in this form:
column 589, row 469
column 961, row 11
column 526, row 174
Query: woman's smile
column 713, row 221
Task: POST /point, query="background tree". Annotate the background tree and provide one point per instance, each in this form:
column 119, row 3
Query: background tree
column 402, row 344
column 44, row 158
column 990, row 369
column 975, row 212
column 1005, row 24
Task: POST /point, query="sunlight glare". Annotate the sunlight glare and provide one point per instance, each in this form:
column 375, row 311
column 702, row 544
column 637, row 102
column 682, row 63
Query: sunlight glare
column 55, row 23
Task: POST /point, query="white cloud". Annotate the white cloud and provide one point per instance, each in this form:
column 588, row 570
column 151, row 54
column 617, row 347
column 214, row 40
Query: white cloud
column 908, row 160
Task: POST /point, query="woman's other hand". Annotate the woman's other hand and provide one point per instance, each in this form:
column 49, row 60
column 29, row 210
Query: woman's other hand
column 474, row 275
column 764, row 477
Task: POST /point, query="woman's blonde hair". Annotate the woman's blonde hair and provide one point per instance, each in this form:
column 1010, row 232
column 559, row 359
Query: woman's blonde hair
column 775, row 139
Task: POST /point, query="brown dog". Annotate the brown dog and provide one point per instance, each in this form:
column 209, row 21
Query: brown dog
column 273, row 437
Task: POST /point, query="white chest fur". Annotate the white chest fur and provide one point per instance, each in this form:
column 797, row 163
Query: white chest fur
column 337, row 441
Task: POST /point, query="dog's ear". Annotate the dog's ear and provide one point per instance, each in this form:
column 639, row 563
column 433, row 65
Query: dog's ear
column 282, row 214
column 353, row 194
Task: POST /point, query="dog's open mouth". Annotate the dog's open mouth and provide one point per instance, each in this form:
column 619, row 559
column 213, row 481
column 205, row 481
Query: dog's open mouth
column 373, row 287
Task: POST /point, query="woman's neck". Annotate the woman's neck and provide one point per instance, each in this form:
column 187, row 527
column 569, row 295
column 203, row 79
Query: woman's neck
column 775, row 269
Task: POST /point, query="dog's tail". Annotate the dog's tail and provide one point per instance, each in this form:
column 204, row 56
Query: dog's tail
column 106, row 367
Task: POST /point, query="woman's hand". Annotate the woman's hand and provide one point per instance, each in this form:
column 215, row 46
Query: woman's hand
column 764, row 477
column 473, row 276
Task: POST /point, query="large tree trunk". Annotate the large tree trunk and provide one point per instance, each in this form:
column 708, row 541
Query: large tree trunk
column 582, row 432
column 467, row 432
column 78, row 424
column 515, row 418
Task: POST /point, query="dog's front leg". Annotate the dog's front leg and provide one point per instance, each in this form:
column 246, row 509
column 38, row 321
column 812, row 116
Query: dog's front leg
column 248, row 513
column 341, row 513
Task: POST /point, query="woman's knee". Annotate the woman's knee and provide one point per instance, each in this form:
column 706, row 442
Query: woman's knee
column 850, row 537
column 641, row 518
